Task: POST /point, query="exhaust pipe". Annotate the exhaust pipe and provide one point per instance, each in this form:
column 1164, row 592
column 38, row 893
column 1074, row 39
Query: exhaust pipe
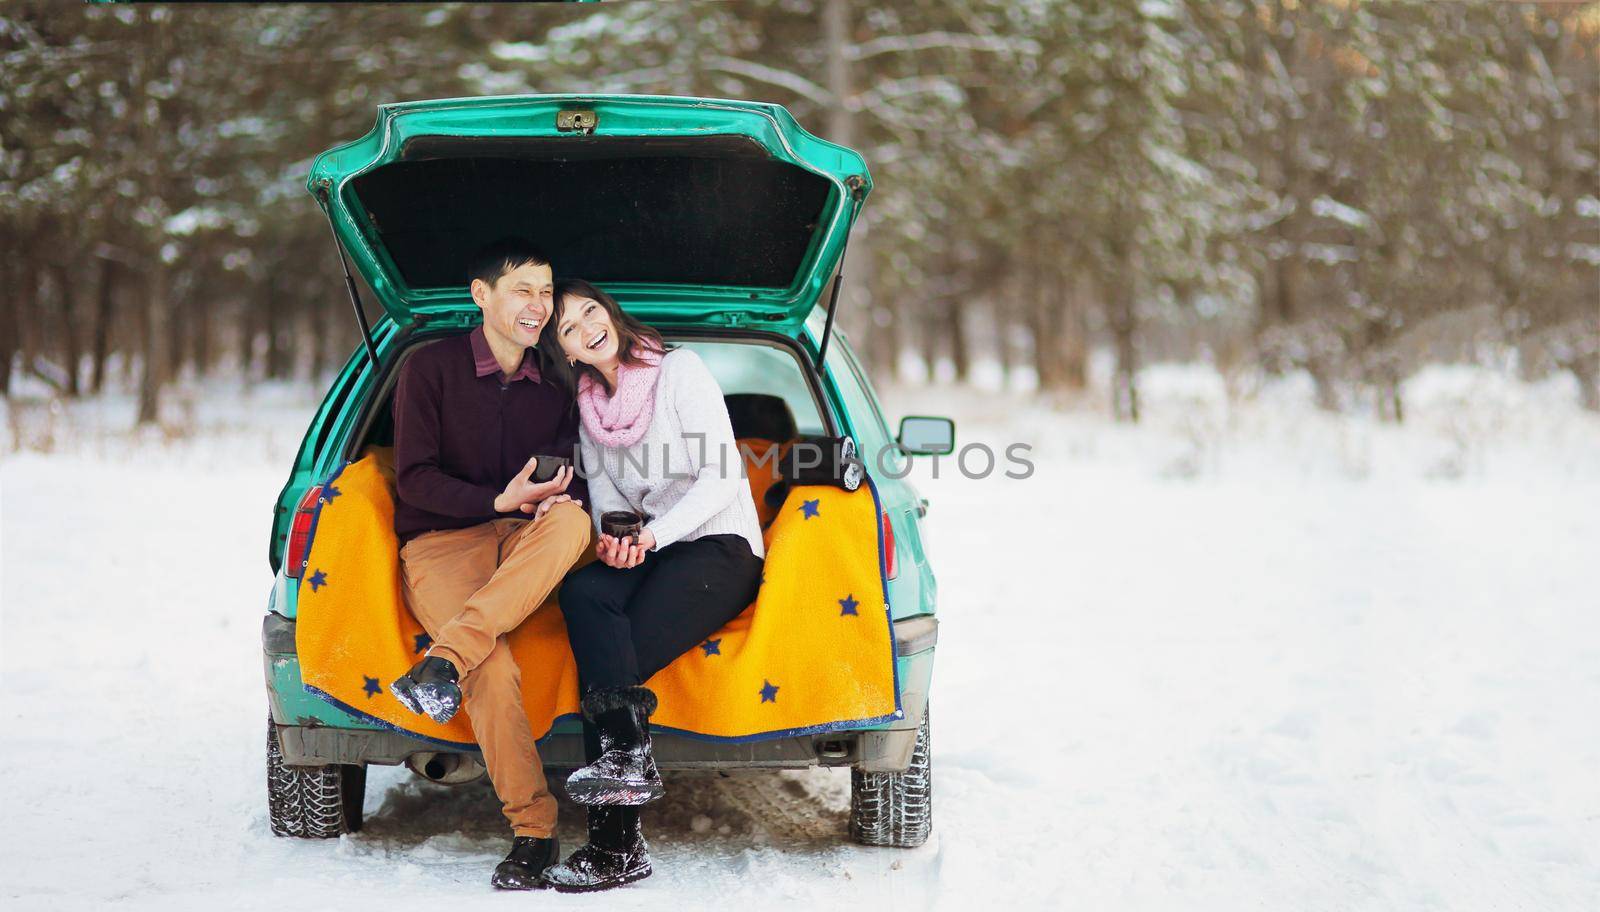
column 449, row 769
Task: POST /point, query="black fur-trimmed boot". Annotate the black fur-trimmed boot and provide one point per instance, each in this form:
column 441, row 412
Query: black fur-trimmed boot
column 429, row 688
column 616, row 854
column 525, row 864
column 625, row 772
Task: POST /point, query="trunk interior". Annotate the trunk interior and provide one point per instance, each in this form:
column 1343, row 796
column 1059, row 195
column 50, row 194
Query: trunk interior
column 711, row 211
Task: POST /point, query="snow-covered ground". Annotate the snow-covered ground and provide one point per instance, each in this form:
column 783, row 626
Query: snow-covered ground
column 1242, row 656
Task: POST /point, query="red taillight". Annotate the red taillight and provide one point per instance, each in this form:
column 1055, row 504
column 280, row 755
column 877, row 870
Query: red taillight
column 300, row 533
column 891, row 567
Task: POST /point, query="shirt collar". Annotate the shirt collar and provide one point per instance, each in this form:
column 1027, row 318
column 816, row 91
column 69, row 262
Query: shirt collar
column 484, row 362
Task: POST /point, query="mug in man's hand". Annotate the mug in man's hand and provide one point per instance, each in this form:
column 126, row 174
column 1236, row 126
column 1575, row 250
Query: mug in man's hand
column 546, row 468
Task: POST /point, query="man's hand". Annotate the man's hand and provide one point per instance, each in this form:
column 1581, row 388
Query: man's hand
column 624, row 553
column 544, row 506
column 520, row 491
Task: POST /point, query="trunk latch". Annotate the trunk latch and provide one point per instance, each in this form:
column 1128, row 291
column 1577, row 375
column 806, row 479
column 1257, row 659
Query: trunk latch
column 577, row 121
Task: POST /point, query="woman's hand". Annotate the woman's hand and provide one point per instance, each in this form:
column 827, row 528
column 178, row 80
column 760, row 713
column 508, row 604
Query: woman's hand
column 624, row 553
column 522, row 494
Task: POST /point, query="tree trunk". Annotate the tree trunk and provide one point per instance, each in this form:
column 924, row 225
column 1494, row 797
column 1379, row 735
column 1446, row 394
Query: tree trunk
column 249, row 331
column 888, row 323
column 880, row 312
column 1073, row 317
column 10, row 326
column 955, row 332
column 1587, row 372
column 856, row 292
column 156, row 342
column 104, row 314
column 179, row 341
column 277, row 356
column 1004, row 311
column 1389, row 406
column 202, row 326
column 70, row 352
column 1044, row 319
column 1283, row 308
column 318, row 337
column 1119, row 307
column 1045, row 365
column 330, row 322
column 1323, row 387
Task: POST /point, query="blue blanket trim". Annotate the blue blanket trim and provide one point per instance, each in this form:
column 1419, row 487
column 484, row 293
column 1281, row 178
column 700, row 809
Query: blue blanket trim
column 577, row 717
column 311, row 534
column 888, row 611
column 374, row 720
column 820, row 728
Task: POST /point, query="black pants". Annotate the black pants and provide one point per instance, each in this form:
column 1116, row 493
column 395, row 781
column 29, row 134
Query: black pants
column 626, row 625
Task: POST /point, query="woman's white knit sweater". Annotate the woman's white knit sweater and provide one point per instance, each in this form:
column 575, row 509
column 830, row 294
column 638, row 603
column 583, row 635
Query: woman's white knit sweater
column 686, row 472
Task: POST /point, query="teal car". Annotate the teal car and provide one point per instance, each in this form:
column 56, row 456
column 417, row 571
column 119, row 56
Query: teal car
column 723, row 224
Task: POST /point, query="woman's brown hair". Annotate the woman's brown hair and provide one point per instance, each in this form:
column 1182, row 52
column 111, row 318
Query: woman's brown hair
column 632, row 335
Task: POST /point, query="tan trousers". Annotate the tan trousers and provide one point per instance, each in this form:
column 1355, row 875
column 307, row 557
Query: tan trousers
column 469, row 588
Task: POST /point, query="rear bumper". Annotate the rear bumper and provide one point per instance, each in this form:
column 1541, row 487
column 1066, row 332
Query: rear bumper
column 312, row 732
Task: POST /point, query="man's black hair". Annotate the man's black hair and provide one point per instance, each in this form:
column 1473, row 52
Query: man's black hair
column 497, row 258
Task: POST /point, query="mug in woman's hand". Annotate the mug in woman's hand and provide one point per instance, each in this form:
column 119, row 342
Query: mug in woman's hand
column 621, row 524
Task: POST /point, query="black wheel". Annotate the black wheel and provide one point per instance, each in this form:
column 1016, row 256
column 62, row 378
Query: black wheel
column 312, row 802
column 894, row 809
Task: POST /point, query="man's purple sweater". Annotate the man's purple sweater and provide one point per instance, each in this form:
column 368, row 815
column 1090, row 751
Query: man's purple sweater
column 460, row 432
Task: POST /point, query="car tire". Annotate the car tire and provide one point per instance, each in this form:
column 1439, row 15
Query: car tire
column 312, row 802
column 895, row 809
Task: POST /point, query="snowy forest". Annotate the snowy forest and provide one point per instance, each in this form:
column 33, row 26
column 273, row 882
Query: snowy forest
column 1351, row 190
column 1292, row 306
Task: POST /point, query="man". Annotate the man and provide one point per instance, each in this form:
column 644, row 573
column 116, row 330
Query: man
column 482, row 545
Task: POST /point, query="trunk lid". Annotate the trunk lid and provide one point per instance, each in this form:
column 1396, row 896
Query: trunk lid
column 688, row 210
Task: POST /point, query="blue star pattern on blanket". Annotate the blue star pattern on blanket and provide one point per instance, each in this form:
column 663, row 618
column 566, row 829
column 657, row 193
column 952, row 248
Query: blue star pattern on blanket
column 769, row 691
column 810, row 508
column 370, row 685
column 847, row 605
column 329, row 493
column 712, row 647
column 422, row 641
column 317, row 580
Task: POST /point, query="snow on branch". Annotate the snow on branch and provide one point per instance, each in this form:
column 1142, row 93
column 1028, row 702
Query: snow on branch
column 915, row 85
column 797, row 84
column 1328, row 207
column 893, row 44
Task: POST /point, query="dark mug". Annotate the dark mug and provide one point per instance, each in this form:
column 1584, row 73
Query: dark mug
column 546, row 468
column 621, row 524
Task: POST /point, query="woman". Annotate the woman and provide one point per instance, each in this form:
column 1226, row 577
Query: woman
column 654, row 439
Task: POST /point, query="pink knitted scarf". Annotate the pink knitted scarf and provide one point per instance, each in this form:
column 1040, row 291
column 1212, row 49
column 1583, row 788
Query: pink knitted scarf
column 620, row 418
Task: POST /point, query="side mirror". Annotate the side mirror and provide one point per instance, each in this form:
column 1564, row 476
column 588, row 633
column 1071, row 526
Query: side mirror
column 922, row 435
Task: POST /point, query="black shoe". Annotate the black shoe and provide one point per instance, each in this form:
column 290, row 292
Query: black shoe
column 525, row 863
column 616, row 854
column 429, row 688
column 625, row 772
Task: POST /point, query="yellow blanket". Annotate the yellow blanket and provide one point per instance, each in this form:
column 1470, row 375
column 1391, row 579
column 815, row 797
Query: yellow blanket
column 814, row 653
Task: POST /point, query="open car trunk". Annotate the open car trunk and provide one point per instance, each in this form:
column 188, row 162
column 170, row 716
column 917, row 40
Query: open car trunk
column 685, row 209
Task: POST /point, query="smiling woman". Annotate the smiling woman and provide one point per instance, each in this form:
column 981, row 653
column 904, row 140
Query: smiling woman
column 654, row 594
